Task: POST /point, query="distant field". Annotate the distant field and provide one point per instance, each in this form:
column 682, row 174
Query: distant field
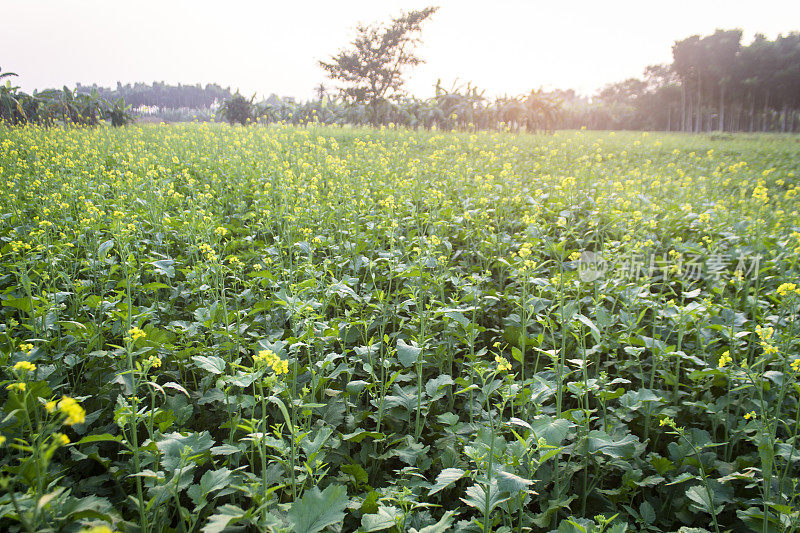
column 294, row 329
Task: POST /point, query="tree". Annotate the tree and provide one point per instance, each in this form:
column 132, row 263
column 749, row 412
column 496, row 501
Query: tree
column 371, row 70
column 238, row 109
column 320, row 91
column 722, row 48
column 118, row 113
column 11, row 109
column 685, row 63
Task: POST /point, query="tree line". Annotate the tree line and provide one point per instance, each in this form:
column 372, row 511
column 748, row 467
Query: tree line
column 370, row 77
column 460, row 107
column 163, row 95
column 714, row 83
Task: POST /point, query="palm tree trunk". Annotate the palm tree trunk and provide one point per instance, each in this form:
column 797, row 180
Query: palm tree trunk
column 699, row 122
column 738, row 119
column 683, row 106
column 783, row 119
column 669, row 118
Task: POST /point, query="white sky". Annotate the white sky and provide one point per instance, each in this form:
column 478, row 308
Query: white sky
column 503, row 46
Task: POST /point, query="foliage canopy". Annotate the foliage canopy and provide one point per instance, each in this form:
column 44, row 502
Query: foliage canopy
column 372, row 68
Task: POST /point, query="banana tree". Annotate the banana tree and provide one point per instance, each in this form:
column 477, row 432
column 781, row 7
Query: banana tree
column 11, row 109
column 543, row 111
column 117, row 112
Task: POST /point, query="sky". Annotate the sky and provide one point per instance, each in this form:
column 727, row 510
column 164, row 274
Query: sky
column 264, row 47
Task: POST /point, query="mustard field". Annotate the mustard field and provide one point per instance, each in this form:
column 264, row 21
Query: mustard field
column 208, row 328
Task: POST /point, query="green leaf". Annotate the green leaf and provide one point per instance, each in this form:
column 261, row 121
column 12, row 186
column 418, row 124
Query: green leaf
column 446, row 477
column 155, row 285
column 442, row 526
column 631, row 398
column 699, row 495
column 356, row 386
column 312, row 446
column 600, row 441
column 357, row 472
column 23, row 304
column 222, row 518
column 476, row 497
column 282, row 406
column 458, row 317
column 104, row 248
column 89, row 506
column 432, row 386
column 552, row 430
column 412, row 452
column 104, row 437
column 589, row 324
column 361, row 434
column 386, row 517
column 177, row 387
column 686, row 476
column 224, row 449
column 553, row 506
column 370, row 504
column 339, row 288
column 512, row 483
column 754, row 517
column 647, row 512
column 173, row 445
column 211, row 363
column 215, row 480
column 407, row 353
column 318, row 509
column 165, row 267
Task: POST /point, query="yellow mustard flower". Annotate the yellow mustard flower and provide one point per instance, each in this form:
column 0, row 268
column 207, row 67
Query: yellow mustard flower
column 271, row 359
column 135, row 334
column 768, row 348
column 764, row 333
column 75, row 413
column 787, row 288
column 24, row 366
column 97, row 529
column 502, row 364
column 17, row 387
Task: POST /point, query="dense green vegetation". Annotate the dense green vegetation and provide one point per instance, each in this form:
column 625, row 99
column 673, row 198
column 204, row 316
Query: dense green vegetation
column 162, row 95
column 714, row 83
column 299, row 329
column 67, row 106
